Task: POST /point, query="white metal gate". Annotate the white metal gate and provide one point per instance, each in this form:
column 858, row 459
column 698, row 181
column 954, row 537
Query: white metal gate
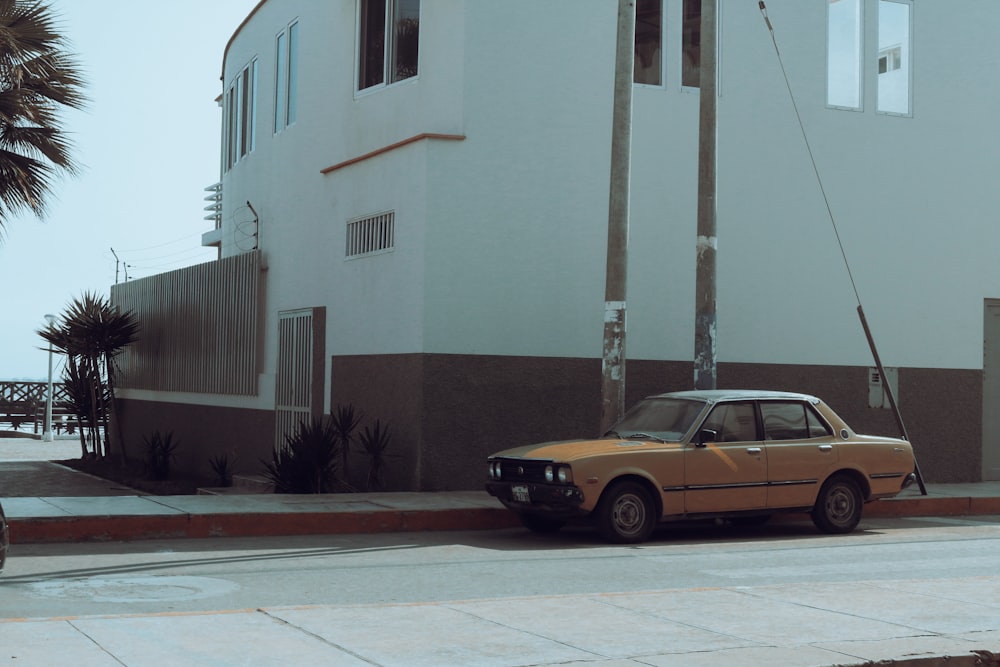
column 293, row 379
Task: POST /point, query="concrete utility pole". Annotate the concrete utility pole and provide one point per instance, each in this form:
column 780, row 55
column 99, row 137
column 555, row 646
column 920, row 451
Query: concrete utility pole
column 705, row 315
column 613, row 364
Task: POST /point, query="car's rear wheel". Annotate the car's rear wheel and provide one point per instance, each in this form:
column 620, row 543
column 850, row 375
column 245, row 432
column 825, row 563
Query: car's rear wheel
column 626, row 513
column 541, row 524
column 838, row 507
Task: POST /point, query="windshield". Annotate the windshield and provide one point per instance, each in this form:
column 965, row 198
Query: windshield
column 660, row 418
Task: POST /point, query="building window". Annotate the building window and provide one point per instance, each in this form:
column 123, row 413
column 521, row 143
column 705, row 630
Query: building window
column 239, row 116
column 286, row 56
column 691, row 44
column 648, row 68
column 843, row 54
column 388, row 41
column 894, row 39
column 371, row 235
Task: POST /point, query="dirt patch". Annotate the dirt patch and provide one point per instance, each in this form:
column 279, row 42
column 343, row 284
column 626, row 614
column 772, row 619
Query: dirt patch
column 133, row 475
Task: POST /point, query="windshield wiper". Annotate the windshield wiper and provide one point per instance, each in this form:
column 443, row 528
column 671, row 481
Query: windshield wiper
column 613, row 434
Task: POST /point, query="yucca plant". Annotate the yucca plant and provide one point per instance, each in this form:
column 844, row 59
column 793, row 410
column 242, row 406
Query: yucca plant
column 345, row 421
column 375, row 440
column 222, row 466
column 159, row 455
column 307, row 462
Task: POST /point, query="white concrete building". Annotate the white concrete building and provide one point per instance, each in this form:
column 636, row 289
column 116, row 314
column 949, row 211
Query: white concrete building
column 414, row 219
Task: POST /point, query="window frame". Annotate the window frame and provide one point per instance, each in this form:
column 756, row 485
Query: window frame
column 679, row 68
column 286, row 43
column 662, row 47
column 390, row 49
column 239, row 116
column 859, row 59
column 906, row 56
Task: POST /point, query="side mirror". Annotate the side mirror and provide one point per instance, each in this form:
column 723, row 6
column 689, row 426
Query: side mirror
column 706, row 435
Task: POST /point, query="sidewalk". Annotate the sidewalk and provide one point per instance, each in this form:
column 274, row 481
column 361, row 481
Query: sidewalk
column 88, row 508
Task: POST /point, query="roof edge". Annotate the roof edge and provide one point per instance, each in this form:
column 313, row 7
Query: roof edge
column 225, row 52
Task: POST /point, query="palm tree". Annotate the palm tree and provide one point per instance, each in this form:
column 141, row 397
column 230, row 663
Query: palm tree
column 38, row 79
column 92, row 333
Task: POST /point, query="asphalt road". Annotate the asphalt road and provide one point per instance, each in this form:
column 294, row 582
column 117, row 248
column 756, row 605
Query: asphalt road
column 56, row 580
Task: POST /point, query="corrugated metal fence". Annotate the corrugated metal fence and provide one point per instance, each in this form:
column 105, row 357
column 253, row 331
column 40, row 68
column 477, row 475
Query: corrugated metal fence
column 199, row 328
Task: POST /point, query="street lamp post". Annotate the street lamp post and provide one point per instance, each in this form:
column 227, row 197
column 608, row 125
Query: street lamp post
column 47, row 432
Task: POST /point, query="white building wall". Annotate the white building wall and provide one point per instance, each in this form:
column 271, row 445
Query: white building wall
column 501, row 237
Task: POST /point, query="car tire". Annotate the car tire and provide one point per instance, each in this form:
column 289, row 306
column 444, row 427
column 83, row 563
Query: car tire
column 626, row 513
column 838, row 506
column 541, row 524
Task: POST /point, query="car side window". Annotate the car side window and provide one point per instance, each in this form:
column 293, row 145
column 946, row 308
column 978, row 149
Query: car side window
column 817, row 427
column 784, row 420
column 734, row 422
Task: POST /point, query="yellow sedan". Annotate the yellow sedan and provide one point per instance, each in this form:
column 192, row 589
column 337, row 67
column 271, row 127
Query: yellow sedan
column 735, row 454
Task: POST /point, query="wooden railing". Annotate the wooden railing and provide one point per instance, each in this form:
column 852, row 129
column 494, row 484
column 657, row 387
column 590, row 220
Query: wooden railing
column 23, row 402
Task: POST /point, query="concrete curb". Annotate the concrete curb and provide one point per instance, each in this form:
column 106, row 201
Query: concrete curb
column 266, row 524
column 126, row 527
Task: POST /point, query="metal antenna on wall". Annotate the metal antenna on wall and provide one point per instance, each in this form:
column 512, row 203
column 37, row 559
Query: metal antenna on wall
column 117, row 262
column 843, row 252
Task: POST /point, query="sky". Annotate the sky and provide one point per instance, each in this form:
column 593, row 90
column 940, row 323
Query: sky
column 148, row 144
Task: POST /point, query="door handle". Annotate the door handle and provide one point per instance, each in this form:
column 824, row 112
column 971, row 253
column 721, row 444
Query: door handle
column 826, row 448
column 753, row 450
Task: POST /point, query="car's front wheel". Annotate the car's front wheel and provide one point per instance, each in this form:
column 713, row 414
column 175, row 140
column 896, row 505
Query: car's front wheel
column 626, row 513
column 838, row 507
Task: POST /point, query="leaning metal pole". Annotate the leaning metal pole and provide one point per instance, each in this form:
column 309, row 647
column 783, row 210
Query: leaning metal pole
column 613, row 358
column 705, row 314
column 888, row 392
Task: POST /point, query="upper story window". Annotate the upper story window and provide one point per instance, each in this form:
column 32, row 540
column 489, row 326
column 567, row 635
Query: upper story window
column 691, row 45
column 847, row 60
column 648, row 68
column 652, row 20
column 240, row 116
column 843, row 54
column 894, row 32
column 286, row 79
column 388, row 41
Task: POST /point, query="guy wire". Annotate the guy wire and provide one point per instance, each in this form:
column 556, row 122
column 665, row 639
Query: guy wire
column 812, row 158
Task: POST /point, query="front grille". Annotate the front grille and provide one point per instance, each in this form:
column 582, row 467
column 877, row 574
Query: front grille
column 523, row 470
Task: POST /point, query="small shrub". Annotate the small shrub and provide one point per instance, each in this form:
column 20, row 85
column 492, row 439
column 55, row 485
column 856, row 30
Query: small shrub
column 375, row 440
column 307, row 462
column 345, row 421
column 159, row 454
column 222, row 466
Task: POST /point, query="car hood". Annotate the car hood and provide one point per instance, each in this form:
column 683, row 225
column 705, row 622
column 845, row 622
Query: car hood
column 571, row 450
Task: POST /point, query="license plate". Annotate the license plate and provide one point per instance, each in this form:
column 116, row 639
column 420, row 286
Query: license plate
column 520, row 494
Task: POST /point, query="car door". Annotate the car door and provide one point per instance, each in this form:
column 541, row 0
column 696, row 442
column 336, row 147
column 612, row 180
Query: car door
column 726, row 472
column 801, row 451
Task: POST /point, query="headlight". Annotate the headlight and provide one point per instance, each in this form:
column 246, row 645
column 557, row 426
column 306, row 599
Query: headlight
column 494, row 469
column 559, row 473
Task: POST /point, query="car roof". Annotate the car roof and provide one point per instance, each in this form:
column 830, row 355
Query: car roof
column 716, row 395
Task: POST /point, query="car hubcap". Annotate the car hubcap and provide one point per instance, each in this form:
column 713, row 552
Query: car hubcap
column 629, row 514
column 840, row 506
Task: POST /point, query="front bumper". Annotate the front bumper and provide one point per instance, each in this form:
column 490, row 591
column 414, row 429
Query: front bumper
column 554, row 500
